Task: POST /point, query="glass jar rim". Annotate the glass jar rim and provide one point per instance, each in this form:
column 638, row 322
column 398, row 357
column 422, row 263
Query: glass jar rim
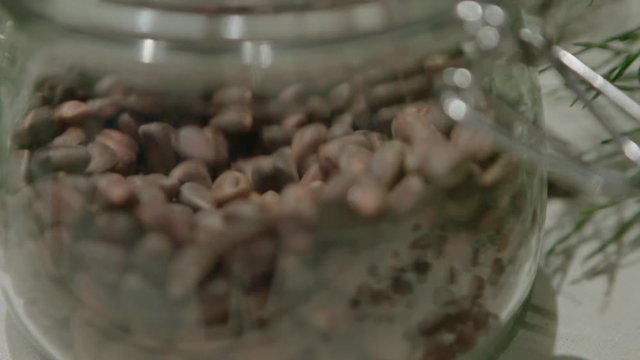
column 138, row 19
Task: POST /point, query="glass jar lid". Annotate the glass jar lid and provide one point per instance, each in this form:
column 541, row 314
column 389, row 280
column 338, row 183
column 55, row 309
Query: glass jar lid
column 242, row 6
column 229, row 20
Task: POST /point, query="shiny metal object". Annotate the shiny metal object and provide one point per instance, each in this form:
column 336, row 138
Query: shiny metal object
column 488, row 34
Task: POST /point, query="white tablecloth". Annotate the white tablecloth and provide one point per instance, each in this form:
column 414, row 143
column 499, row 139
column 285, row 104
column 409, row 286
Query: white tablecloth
column 586, row 320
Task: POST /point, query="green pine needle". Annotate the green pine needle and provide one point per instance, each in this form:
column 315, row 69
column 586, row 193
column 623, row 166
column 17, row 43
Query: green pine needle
column 617, row 236
column 622, row 55
column 569, row 235
column 620, row 66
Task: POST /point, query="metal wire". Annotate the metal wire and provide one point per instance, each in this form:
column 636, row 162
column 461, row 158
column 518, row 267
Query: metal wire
column 583, row 176
column 575, row 73
column 573, row 70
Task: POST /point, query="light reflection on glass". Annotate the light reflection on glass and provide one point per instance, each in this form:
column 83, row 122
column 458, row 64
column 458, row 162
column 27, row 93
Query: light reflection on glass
column 233, row 27
column 145, row 21
column 147, row 51
column 257, row 54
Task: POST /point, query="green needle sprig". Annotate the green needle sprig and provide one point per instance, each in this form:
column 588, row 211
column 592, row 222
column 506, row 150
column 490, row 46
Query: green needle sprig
column 622, row 55
column 620, row 65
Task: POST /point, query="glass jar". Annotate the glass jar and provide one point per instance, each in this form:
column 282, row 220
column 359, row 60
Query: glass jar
column 264, row 179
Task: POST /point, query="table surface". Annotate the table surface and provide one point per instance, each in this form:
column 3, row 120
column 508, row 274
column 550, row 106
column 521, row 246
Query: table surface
column 574, row 319
column 577, row 317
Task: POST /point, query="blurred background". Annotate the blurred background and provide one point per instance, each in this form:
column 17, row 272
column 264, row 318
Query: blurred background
column 582, row 307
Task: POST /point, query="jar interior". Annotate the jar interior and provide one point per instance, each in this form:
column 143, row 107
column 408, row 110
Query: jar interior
column 275, row 208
